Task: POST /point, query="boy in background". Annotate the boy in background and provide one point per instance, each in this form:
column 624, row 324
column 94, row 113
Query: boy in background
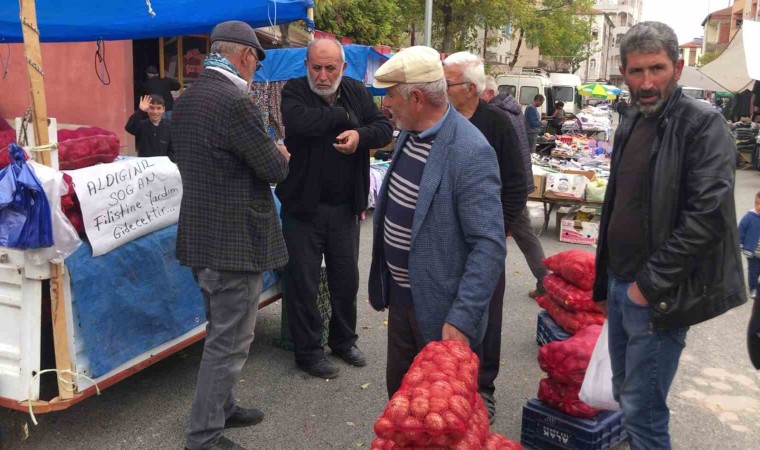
column 150, row 130
column 749, row 238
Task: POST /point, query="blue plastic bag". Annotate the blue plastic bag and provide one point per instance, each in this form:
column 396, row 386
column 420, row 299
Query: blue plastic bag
column 25, row 217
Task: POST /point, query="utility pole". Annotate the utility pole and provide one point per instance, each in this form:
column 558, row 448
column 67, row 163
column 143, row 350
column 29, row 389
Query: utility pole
column 428, row 22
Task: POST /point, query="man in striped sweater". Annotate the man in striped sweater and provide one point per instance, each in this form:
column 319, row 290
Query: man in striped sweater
column 439, row 246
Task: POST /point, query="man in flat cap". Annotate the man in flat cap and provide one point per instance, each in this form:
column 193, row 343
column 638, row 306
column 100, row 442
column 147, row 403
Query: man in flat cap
column 228, row 230
column 331, row 123
column 439, row 247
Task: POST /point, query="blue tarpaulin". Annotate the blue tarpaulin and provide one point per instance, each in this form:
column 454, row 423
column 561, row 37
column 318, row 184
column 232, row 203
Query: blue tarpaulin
column 90, row 20
column 133, row 299
column 288, row 63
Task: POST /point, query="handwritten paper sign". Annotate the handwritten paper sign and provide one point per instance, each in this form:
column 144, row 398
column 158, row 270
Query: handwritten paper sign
column 127, row 199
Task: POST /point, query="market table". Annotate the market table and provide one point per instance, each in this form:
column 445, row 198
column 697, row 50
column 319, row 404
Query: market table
column 550, row 204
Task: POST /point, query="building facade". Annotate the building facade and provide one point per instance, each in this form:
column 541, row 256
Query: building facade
column 691, row 52
column 624, row 14
column 598, row 65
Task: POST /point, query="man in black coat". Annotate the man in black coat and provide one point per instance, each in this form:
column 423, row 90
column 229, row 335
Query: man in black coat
column 161, row 86
column 331, row 123
column 228, row 230
column 668, row 251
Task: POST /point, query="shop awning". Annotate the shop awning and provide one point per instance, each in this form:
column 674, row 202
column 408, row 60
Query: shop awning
column 694, row 78
column 90, row 20
column 738, row 65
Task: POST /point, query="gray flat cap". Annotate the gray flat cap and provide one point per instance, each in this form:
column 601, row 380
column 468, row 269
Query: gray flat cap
column 240, row 33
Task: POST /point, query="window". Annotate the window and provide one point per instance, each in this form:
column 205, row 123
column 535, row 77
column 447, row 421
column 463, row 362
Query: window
column 527, row 94
column 592, row 64
column 508, row 88
column 564, row 93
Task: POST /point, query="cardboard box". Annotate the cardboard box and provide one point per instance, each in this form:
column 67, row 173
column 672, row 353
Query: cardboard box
column 576, row 231
column 590, row 174
column 565, row 186
column 539, row 183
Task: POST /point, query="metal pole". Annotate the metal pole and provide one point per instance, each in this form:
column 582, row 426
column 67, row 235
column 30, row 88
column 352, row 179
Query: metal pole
column 428, row 22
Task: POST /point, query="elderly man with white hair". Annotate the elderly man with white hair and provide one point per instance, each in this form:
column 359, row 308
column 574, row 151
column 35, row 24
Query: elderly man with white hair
column 439, row 247
column 465, row 80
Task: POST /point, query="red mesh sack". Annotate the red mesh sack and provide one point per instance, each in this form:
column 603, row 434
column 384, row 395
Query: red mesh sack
column 382, row 444
column 70, row 206
column 572, row 297
column 566, row 361
column 575, row 266
column 564, row 398
column 570, row 321
column 85, row 147
column 7, row 138
column 436, row 400
column 499, row 442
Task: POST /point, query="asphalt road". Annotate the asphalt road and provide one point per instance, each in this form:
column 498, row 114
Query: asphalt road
column 714, row 400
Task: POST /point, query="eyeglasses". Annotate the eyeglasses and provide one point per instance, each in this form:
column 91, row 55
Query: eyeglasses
column 449, row 85
column 255, row 55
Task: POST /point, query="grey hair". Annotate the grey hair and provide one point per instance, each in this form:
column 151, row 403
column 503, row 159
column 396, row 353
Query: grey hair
column 649, row 37
column 473, row 70
column 434, row 91
column 227, row 48
column 491, row 83
column 334, row 41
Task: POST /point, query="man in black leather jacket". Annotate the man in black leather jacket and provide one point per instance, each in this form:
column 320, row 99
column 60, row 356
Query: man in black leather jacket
column 668, row 254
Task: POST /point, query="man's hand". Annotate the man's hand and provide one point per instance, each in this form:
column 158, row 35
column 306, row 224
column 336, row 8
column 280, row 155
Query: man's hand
column 144, row 103
column 451, row 333
column 603, row 307
column 636, row 295
column 284, row 151
column 347, row 141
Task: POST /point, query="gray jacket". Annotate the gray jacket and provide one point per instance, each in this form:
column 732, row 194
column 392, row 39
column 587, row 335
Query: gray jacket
column 513, row 111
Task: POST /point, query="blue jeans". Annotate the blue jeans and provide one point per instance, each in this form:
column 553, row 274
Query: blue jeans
column 753, row 272
column 644, row 363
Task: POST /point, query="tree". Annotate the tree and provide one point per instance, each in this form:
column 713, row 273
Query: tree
column 708, row 57
column 367, row 22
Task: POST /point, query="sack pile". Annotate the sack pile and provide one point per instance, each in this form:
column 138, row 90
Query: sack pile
column 566, row 362
column 438, row 405
column 85, row 147
column 568, row 296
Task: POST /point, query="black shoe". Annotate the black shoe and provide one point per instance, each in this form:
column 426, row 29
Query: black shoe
column 244, row 417
column 353, row 356
column 321, row 369
column 224, row 444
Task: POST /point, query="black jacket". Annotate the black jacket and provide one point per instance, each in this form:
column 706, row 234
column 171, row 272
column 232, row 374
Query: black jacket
column 152, row 140
column 693, row 270
column 500, row 133
column 311, row 126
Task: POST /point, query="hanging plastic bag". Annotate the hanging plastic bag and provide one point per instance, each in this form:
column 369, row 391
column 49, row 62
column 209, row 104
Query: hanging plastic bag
column 23, row 204
column 596, row 390
column 65, row 237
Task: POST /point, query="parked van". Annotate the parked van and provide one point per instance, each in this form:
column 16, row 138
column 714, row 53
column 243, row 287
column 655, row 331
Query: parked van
column 525, row 84
column 565, row 87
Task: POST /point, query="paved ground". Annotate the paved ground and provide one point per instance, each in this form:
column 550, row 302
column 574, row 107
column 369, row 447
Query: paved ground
column 715, row 401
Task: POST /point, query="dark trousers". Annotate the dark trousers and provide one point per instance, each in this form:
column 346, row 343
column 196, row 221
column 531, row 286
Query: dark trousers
column 489, row 351
column 231, row 300
column 528, row 243
column 753, row 272
column 404, row 340
column 333, row 233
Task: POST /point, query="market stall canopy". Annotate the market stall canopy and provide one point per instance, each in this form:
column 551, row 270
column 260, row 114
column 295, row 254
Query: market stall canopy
column 287, row 63
column 91, row 20
column 738, row 65
column 694, row 78
column 597, row 90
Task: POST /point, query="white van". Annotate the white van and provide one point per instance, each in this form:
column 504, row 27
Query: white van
column 525, row 84
column 565, row 87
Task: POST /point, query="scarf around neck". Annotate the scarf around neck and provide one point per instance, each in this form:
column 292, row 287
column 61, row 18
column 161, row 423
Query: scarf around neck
column 219, row 61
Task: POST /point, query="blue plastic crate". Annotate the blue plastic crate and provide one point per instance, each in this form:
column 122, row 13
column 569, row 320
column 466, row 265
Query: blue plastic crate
column 547, row 330
column 545, row 428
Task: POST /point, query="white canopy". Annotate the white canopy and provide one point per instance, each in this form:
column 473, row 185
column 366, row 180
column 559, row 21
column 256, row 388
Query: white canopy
column 738, row 66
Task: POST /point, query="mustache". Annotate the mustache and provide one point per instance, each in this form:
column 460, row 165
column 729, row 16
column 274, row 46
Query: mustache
column 648, row 93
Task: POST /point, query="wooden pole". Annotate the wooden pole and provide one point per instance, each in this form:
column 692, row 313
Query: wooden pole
column 40, row 123
column 161, row 68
